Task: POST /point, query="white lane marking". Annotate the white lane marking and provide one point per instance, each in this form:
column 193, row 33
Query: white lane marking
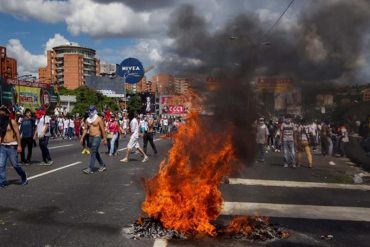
column 297, row 184
column 62, row 146
column 123, row 149
column 297, row 211
column 160, row 242
column 54, row 170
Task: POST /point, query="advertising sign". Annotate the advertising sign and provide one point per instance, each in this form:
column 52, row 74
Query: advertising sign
column 174, row 105
column 131, row 69
column 274, row 85
column 28, row 94
column 148, row 101
column 28, row 97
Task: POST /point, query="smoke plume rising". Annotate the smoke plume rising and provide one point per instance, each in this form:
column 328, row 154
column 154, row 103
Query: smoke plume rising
column 324, row 47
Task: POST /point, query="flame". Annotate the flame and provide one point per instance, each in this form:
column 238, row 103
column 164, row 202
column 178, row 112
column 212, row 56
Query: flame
column 184, row 195
column 244, row 224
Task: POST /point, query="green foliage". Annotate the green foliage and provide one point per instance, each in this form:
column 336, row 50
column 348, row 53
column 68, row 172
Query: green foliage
column 134, row 104
column 86, row 96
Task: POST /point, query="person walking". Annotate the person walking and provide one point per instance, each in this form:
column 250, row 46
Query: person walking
column 287, row 136
column 261, row 138
column 95, row 126
column 303, row 144
column 10, row 146
column 343, row 140
column 149, row 136
column 85, row 141
column 134, row 139
column 27, row 132
column 43, row 134
column 113, row 132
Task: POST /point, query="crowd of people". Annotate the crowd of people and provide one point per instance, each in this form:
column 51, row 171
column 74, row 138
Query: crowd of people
column 294, row 137
column 20, row 128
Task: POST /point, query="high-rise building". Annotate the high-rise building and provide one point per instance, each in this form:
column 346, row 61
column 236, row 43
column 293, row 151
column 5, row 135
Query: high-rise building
column 107, row 69
column 69, row 66
column 163, row 83
column 8, row 65
column 181, row 85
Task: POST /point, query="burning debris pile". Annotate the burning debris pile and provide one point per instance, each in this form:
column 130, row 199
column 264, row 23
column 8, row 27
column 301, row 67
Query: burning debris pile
column 240, row 228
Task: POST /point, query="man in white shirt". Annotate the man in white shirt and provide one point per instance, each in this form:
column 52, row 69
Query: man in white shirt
column 43, row 133
column 261, row 139
column 134, row 139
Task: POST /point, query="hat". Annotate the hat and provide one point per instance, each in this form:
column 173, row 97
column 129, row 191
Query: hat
column 5, row 109
column 92, row 108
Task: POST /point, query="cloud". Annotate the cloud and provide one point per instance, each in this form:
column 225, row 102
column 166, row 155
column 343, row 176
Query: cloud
column 47, row 11
column 27, row 62
column 142, row 5
column 57, row 40
column 112, row 20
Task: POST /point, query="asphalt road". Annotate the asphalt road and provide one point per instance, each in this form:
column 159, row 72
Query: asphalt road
column 68, row 208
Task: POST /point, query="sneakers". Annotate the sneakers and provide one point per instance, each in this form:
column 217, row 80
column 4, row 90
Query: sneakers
column 87, row 151
column 24, row 181
column 286, row 166
column 146, row 158
column 3, row 185
column 125, row 160
column 102, row 169
column 294, row 166
column 49, row 163
column 87, row 171
column 83, row 151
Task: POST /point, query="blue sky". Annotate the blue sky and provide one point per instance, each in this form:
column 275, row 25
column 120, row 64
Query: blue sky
column 115, row 29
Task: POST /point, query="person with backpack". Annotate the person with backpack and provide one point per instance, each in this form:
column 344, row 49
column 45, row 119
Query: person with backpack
column 27, row 131
column 43, row 134
column 10, row 146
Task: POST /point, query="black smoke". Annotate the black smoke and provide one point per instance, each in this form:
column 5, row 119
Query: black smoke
column 323, row 47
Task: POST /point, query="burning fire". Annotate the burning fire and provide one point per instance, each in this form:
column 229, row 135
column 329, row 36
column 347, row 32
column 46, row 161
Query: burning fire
column 184, row 195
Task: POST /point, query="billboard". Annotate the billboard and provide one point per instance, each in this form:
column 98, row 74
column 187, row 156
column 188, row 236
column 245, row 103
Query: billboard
column 174, row 105
column 274, row 85
column 103, row 83
column 28, row 94
column 148, row 103
column 131, row 69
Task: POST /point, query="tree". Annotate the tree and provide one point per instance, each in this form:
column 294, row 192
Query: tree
column 134, row 104
column 86, row 96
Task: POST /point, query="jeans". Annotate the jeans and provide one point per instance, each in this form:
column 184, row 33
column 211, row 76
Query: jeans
column 289, row 153
column 27, row 141
column 43, row 143
column 112, row 146
column 95, row 155
column 148, row 137
column 11, row 154
column 261, row 152
column 70, row 132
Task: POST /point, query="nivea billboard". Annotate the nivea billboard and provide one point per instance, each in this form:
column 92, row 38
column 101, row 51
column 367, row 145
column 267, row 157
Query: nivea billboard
column 131, row 69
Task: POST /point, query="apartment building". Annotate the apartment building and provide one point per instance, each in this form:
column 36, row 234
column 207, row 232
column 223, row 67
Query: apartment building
column 8, row 65
column 69, row 66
